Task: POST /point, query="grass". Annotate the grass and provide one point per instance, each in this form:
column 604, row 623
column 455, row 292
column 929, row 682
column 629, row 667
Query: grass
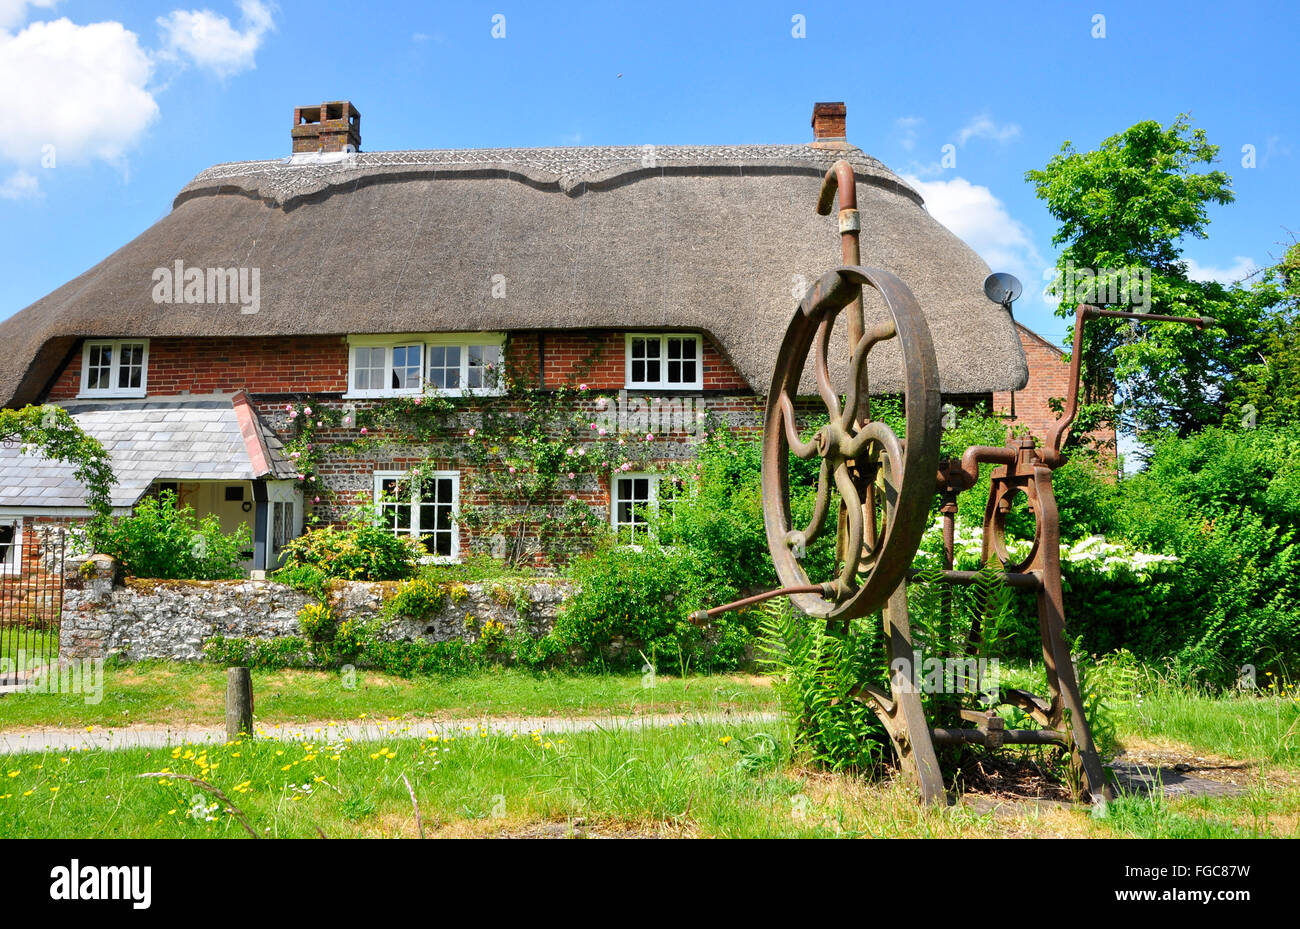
column 34, row 644
column 714, row 779
column 175, row 694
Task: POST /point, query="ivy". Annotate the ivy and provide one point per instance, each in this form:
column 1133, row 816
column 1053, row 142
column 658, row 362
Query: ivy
column 529, row 455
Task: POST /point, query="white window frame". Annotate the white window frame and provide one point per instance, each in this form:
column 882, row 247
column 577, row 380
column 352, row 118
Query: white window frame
column 12, row 565
column 663, row 383
column 463, row 340
column 414, row 532
column 115, row 369
column 655, row 479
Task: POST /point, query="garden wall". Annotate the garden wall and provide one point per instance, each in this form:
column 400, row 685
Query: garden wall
column 140, row 618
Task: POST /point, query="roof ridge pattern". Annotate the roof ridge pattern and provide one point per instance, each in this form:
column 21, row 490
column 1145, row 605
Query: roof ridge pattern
column 569, row 167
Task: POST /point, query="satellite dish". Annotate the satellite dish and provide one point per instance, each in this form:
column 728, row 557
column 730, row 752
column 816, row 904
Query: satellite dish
column 1002, row 288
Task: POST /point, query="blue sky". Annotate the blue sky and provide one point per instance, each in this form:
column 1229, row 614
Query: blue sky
column 136, row 98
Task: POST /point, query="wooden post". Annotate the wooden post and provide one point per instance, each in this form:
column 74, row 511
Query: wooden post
column 239, row 704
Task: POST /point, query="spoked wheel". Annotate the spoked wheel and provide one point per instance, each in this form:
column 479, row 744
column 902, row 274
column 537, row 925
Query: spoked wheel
column 884, row 484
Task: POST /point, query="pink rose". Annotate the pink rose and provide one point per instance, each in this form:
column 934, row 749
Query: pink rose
column 582, row 386
column 601, row 432
column 307, row 410
column 364, row 430
column 571, row 475
column 649, row 436
column 471, row 432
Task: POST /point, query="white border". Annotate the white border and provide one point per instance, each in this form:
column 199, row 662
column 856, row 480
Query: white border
column 389, row 341
column 663, row 384
column 381, row 476
column 114, row 392
column 15, row 567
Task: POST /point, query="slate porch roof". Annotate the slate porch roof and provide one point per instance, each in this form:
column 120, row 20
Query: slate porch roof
column 207, row 438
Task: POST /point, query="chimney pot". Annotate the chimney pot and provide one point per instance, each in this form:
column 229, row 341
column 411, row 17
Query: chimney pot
column 828, row 122
column 330, row 127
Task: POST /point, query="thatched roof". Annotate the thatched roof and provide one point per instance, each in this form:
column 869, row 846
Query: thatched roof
column 702, row 238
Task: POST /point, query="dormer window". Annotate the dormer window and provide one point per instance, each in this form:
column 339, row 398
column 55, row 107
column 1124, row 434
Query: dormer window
column 116, row 368
column 664, row 361
column 454, row 365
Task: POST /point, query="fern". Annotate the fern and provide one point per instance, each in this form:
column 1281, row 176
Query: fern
column 817, row 671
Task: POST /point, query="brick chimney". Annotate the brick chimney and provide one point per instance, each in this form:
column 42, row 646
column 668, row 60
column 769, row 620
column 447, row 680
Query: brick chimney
column 330, row 127
column 828, row 124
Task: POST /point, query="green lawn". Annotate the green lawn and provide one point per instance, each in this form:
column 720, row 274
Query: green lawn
column 173, row 694
column 712, row 779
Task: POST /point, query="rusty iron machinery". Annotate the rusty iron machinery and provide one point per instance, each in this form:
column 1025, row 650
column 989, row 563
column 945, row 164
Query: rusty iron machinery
column 879, row 489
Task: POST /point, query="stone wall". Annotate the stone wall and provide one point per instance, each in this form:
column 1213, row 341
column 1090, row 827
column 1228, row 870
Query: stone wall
column 139, row 619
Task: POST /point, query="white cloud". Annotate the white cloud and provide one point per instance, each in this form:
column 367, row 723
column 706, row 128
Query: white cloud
column 983, row 127
column 14, row 12
column 20, row 186
column 80, row 89
column 1241, row 268
column 210, row 41
column 908, row 127
column 981, row 220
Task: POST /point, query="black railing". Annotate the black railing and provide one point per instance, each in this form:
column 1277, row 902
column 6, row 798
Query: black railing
column 31, row 599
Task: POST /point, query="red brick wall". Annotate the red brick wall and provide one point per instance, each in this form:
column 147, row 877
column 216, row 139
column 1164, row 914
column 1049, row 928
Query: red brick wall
column 1049, row 377
column 300, row 364
column 319, row 364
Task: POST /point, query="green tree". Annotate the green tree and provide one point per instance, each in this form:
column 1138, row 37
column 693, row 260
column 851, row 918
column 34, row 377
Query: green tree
column 53, row 432
column 1267, row 393
column 1125, row 210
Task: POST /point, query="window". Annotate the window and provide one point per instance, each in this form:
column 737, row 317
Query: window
column 11, row 547
column 114, row 369
column 456, row 365
column 282, row 528
column 667, row 361
column 424, row 509
column 637, row 500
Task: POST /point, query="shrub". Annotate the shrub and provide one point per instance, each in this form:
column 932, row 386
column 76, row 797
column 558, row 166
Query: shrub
column 720, row 519
column 644, row 597
column 162, row 540
column 1227, row 504
column 361, row 550
column 317, row 622
column 417, row 598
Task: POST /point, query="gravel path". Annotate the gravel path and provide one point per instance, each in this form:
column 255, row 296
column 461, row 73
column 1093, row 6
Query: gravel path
column 61, row 740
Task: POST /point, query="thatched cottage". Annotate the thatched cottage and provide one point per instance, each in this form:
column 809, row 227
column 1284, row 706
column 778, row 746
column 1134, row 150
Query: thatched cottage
column 335, row 277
